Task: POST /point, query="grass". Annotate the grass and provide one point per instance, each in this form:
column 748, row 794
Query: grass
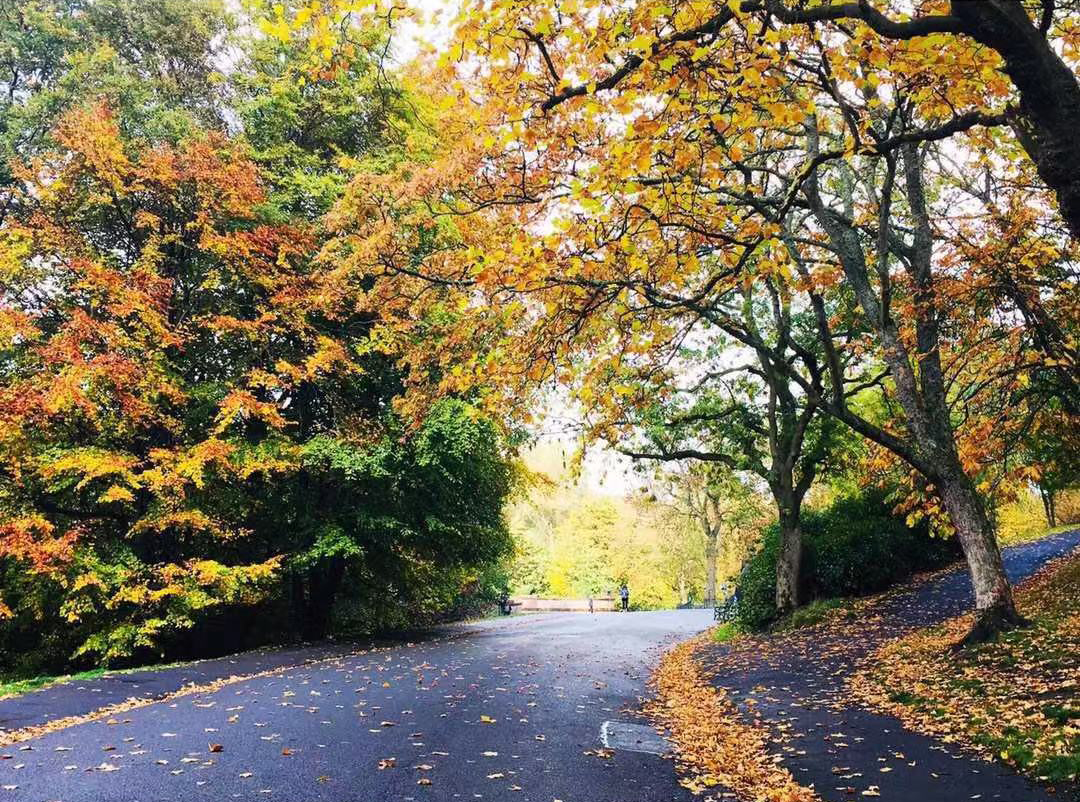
column 1013, row 699
column 725, row 632
column 806, row 616
column 1013, row 537
column 810, row 614
column 16, row 687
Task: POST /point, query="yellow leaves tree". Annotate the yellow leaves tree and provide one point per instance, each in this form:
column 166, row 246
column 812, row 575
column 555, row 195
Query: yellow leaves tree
column 614, row 172
column 114, row 268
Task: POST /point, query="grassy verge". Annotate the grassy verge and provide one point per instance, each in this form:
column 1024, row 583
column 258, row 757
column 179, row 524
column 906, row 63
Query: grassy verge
column 19, row 686
column 1016, row 699
column 808, row 615
column 811, row 614
column 1014, row 536
column 725, row 632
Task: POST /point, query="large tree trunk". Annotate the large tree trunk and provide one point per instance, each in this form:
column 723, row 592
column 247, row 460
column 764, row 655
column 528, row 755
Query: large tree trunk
column 995, row 610
column 921, row 392
column 1049, row 113
column 788, row 561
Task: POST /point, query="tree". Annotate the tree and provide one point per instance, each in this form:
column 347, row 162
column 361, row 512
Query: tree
column 1052, row 450
column 733, row 196
column 749, row 416
column 195, row 419
column 310, row 128
column 1025, row 38
column 718, row 504
column 105, row 435
column 918, row 377
column 153, row 63
column 615, row 163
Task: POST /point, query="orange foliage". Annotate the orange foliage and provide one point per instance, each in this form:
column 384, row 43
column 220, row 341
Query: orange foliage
column 123, row 257
column 715, row 745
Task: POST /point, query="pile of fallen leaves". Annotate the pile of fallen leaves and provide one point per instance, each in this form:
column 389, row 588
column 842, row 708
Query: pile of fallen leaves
column 1016, row 699
column 714, row 745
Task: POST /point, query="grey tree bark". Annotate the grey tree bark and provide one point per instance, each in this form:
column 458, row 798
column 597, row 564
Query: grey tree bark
column 789, row 563
column 918, row 378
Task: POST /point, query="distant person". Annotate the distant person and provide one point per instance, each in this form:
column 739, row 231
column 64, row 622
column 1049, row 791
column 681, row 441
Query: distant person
column 624, row 594
column 590, row 603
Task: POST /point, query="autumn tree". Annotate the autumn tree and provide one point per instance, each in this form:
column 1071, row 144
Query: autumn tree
column 741, row 409
column 93, row 406
column 718, row 504
column 749, row 92
column 1027, row 38
column 194, row 417
column 617, row 168
column 1051, row 449
column 156, row 64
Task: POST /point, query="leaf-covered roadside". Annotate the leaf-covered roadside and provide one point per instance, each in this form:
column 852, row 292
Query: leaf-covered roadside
column 110, row 712
column 1016, row 699
column 715, row 746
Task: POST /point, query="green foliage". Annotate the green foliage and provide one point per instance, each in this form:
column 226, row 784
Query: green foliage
column 854, row 547
column 154, row 63
column 311, row 135
column 725, row 632
column 810, row 614
column 757, row 584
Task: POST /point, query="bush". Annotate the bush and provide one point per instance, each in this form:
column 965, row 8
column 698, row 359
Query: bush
column 854, row 547
column 757, row 584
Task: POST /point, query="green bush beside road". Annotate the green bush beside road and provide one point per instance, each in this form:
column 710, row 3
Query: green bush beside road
column 854, row 547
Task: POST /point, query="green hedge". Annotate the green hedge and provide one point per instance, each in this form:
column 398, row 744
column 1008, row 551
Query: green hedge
column 854, row 547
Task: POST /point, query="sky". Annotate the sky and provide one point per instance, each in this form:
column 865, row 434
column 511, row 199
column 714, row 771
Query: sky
column 603, row 471
column 432, row 27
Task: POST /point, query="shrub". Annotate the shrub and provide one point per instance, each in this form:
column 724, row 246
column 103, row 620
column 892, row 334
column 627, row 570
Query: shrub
column 854, row 547
column 757, row 584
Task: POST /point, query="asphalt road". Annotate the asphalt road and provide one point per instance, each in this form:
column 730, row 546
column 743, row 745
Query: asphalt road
column 797, row 685
column 514, row 709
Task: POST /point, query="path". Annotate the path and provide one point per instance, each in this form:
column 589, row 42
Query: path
column 796, row 685
column 79, row 697
column 503, row 710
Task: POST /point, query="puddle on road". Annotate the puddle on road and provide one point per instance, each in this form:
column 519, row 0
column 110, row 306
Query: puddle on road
column 632, row 738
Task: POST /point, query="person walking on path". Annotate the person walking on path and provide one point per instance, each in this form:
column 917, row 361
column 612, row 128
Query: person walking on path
column 624, row 594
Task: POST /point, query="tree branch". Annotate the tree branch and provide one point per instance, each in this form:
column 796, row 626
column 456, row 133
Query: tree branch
column 707, row 28
column 860, row 10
